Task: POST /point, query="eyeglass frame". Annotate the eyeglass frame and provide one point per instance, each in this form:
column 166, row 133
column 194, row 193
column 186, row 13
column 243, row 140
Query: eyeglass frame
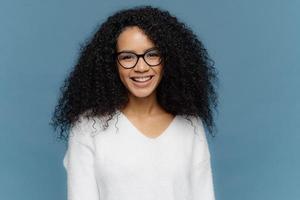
column 138, row 57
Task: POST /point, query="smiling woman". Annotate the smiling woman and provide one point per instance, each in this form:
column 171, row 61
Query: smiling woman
column 140, row 76
column 129, row 75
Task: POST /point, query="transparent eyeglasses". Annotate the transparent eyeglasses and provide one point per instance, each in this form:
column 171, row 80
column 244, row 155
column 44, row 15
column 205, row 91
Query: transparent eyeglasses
column 129, row 59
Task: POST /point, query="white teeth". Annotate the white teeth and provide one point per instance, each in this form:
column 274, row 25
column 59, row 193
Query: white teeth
column 142, row 79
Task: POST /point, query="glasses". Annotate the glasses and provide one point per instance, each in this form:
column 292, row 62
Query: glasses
column 129, row 59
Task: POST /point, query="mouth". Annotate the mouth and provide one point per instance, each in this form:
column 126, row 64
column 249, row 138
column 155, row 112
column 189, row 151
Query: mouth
column 141, row 79
column 142, row 82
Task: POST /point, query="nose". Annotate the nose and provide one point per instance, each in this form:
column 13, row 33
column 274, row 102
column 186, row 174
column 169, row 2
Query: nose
column 141, row 65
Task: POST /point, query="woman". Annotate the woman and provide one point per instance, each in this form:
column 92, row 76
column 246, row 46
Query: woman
column 145, row 76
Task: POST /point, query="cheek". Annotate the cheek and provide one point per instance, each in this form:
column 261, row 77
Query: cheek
column 122, row 74
column 160, row 71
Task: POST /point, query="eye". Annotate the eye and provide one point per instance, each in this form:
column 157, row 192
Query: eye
column 153, row 54
column 126, row 56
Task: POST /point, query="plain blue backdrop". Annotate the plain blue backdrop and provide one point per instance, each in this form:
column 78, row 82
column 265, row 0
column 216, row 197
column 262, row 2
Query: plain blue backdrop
column 255, row 45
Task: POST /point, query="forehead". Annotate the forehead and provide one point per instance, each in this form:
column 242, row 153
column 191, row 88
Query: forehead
column 134, row 39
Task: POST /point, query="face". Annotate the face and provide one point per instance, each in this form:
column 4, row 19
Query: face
column 132, row 39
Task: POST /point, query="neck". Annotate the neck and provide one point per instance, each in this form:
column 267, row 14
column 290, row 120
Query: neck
column 146, row 106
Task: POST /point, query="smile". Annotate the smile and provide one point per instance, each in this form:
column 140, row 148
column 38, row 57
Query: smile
column 141, row 82
column 142, row 79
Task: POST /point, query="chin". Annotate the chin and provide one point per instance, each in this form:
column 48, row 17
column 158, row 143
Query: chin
column 141, row 93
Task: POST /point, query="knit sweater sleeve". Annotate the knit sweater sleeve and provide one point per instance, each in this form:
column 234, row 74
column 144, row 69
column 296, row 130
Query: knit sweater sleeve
column 201, row 173
column 79, row 164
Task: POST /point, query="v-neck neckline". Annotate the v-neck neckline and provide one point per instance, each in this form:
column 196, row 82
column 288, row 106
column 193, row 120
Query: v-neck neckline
column 144, row 136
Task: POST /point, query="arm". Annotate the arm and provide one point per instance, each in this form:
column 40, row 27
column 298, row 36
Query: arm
column 201, row 173
column 202, row 182
column 79, row 164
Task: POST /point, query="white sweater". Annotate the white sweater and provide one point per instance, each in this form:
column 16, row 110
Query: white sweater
column 120, row 163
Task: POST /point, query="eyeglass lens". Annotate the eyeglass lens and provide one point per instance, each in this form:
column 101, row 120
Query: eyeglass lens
column 129, row 60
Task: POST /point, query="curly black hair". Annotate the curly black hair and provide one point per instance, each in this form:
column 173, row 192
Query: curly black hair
column 94, row 88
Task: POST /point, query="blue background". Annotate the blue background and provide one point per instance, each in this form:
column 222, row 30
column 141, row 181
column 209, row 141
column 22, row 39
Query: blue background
column 255, row 45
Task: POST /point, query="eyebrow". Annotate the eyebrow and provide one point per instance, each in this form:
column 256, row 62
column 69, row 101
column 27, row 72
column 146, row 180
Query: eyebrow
column 152, row 48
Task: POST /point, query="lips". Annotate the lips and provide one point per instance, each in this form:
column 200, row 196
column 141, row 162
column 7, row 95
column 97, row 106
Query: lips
column 142, row 83
column 141, row 78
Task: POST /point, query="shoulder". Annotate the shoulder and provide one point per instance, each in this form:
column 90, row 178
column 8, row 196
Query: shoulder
column 195, row 123
column 87, row 127
column 83, row 130
column 200, row 143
